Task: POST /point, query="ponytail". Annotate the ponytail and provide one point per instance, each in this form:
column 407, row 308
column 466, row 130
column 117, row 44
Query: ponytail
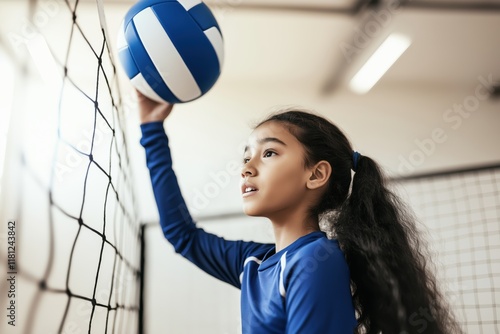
column 394, row 289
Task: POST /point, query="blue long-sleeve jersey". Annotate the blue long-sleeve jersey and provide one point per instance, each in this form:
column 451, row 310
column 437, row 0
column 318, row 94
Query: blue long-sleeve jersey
column 303, row 288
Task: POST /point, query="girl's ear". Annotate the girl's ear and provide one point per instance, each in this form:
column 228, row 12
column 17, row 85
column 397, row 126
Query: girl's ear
column 320, row 173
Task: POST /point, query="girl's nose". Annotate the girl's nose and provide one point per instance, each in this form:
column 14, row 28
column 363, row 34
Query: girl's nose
column 247, row 170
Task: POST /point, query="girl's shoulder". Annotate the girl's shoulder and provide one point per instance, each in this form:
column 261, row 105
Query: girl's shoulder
column 318, row 247
column 317, row 253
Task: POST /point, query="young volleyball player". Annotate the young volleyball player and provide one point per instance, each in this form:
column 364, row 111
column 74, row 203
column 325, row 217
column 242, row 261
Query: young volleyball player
column 368, row 275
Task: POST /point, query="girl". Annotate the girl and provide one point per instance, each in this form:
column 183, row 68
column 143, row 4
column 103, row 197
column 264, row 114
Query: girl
column 368, row 276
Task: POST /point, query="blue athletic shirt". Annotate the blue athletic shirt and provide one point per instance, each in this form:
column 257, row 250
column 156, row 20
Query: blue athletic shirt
column 304, row 288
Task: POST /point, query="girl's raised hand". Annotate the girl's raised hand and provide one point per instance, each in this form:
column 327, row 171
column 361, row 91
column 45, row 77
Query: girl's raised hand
column 152, row 111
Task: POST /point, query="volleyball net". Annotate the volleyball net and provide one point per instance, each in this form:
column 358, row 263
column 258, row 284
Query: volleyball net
column 67, row 188
column 461, row 210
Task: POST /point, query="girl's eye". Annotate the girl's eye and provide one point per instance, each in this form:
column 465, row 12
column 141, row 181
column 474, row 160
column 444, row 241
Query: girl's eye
column 267, row 152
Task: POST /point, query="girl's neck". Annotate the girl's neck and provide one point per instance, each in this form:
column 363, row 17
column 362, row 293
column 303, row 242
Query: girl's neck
column 285, row 233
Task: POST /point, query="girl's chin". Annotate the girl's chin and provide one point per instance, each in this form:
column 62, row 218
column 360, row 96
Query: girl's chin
column 249, row 211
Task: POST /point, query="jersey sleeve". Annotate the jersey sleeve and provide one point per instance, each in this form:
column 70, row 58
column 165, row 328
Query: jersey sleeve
column 218, row 257
column 318, row 297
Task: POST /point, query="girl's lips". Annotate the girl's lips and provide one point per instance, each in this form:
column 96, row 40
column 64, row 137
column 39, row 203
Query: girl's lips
column 246, row 185
column 249, row 193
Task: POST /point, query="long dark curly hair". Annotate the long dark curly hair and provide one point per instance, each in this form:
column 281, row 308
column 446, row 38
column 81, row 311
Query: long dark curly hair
column 393, row 286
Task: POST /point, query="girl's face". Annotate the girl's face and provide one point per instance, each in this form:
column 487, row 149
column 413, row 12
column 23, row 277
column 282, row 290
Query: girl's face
column 273, row 164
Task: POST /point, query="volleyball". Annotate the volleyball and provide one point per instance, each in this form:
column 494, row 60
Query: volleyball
column 171, row 50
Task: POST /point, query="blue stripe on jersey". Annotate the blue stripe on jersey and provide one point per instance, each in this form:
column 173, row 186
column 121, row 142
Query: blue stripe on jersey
column 191, row 43
column 203, row 16
column 128, row 62
column 146, row 66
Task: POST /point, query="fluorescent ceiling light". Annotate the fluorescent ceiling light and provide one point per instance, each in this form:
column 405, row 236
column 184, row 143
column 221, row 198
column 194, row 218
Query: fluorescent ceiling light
column 380, row 61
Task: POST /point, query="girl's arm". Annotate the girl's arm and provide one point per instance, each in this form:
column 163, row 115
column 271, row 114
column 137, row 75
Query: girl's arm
column 218, row 257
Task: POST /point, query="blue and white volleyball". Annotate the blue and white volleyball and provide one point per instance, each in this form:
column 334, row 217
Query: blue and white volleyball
column 171, row 50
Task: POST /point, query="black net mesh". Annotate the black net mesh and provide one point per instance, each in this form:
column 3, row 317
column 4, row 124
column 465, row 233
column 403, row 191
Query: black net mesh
column 78, row 235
